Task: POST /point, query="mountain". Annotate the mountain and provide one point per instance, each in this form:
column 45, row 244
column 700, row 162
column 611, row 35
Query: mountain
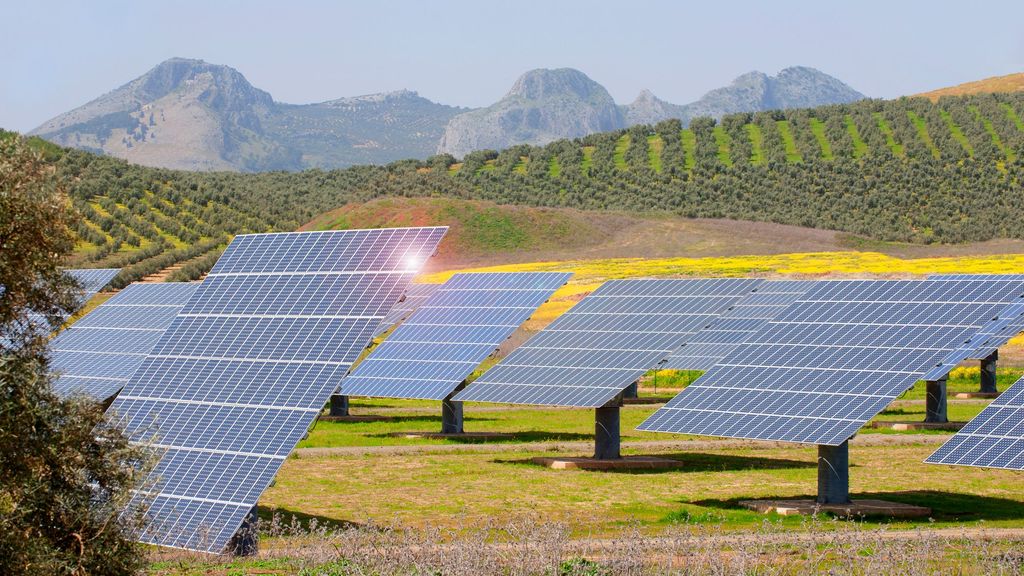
column 192, row 115
column 373, row 129
column 547, row 105
column 649, row 109
column 796, row 87
column 996, row 84
column 542, row 106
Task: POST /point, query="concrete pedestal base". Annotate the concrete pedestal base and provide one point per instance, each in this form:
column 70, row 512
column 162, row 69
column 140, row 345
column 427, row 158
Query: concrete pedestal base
column 482, row 436
column 624, row 463
column 854, row 509
column 918, row 425
column 976, row 395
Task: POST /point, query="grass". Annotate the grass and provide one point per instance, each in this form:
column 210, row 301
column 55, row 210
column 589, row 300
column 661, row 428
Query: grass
column 554, row 169
column 619, row 157
column 818, row 129
column 922, row 133
column 1006, row 151
column 756, row 144
column 860, row 148
column 654, row 147
column 788, row 142
column 957, row 133
column 689, row 143
column 588, row 159
column 1012, row 115
column 723, row 140
column 890, row 137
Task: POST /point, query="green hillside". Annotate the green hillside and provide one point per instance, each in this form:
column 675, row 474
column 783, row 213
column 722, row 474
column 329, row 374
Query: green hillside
column 908, row 170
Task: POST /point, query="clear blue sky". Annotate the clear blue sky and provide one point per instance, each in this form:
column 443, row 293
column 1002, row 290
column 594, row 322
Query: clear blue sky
column 57, row 55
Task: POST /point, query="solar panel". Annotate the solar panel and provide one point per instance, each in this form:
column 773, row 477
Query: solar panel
column 243, row 371
column 606, row 342
column 93, row 279
column 97, row 354
column 993, row 439
column 456, row 329
column 415, row 296
column 835, row 359
column 709, row 346
column 1011, row 330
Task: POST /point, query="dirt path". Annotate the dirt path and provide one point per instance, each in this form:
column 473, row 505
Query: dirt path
column 584, row 447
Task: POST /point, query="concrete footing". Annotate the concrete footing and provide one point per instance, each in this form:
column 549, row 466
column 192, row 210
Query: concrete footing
column 481, row 436
column 853, row 509
column 918, row 425
column 623, row 463
column 976, row 395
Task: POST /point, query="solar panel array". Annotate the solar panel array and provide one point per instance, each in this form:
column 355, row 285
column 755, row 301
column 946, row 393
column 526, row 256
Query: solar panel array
column 456, row 329
column 606, row 342
column 97, row 354
column 93, row 279
column 243, row 371
column 835, row 359
column 415, row 295
column 1011, row 330
column 993, row 439
column 709, row 346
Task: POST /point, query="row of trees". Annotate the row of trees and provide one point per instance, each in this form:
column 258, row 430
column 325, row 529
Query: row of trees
column 902, row 170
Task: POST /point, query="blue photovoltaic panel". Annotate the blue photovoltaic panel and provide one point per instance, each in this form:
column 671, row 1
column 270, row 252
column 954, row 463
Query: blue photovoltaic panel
column 993, row 439
column 243, row 371
column 836, row 358
column 725, row 333
column 415, row 295
column 607, row 341
column 456, row 329
column 97, row 354
column 1011, row 330
column 93, row 279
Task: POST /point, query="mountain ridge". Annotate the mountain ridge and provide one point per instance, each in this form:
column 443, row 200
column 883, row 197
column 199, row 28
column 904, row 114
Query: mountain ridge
column 193, row 115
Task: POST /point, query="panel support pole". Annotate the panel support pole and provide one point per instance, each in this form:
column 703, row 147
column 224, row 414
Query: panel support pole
column 935, row 401
column 246, row 541
column 988, row 373
column 339, row 405
column 632, row 391
column 451, row 416
column 607, row 440
column 834, row 474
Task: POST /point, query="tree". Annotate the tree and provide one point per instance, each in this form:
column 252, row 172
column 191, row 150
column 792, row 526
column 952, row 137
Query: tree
column 66, row 475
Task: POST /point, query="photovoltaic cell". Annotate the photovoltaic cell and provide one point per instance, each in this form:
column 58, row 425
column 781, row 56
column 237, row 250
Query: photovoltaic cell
column 456, row 329
column 242, row 372
column 606, row 342
column 415, row 295
column 710, row 345
column 1011, row 330
column 993, row 439
column 93, row 279
column 836, row 358
column 97, row 354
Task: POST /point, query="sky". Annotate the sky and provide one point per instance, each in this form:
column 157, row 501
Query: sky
column 58, row 55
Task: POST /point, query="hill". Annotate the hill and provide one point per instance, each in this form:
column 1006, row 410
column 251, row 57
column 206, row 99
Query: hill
column 548, row 105
column 909, row 171
column 996, row 84
column 485, row 233
column 192, row 115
